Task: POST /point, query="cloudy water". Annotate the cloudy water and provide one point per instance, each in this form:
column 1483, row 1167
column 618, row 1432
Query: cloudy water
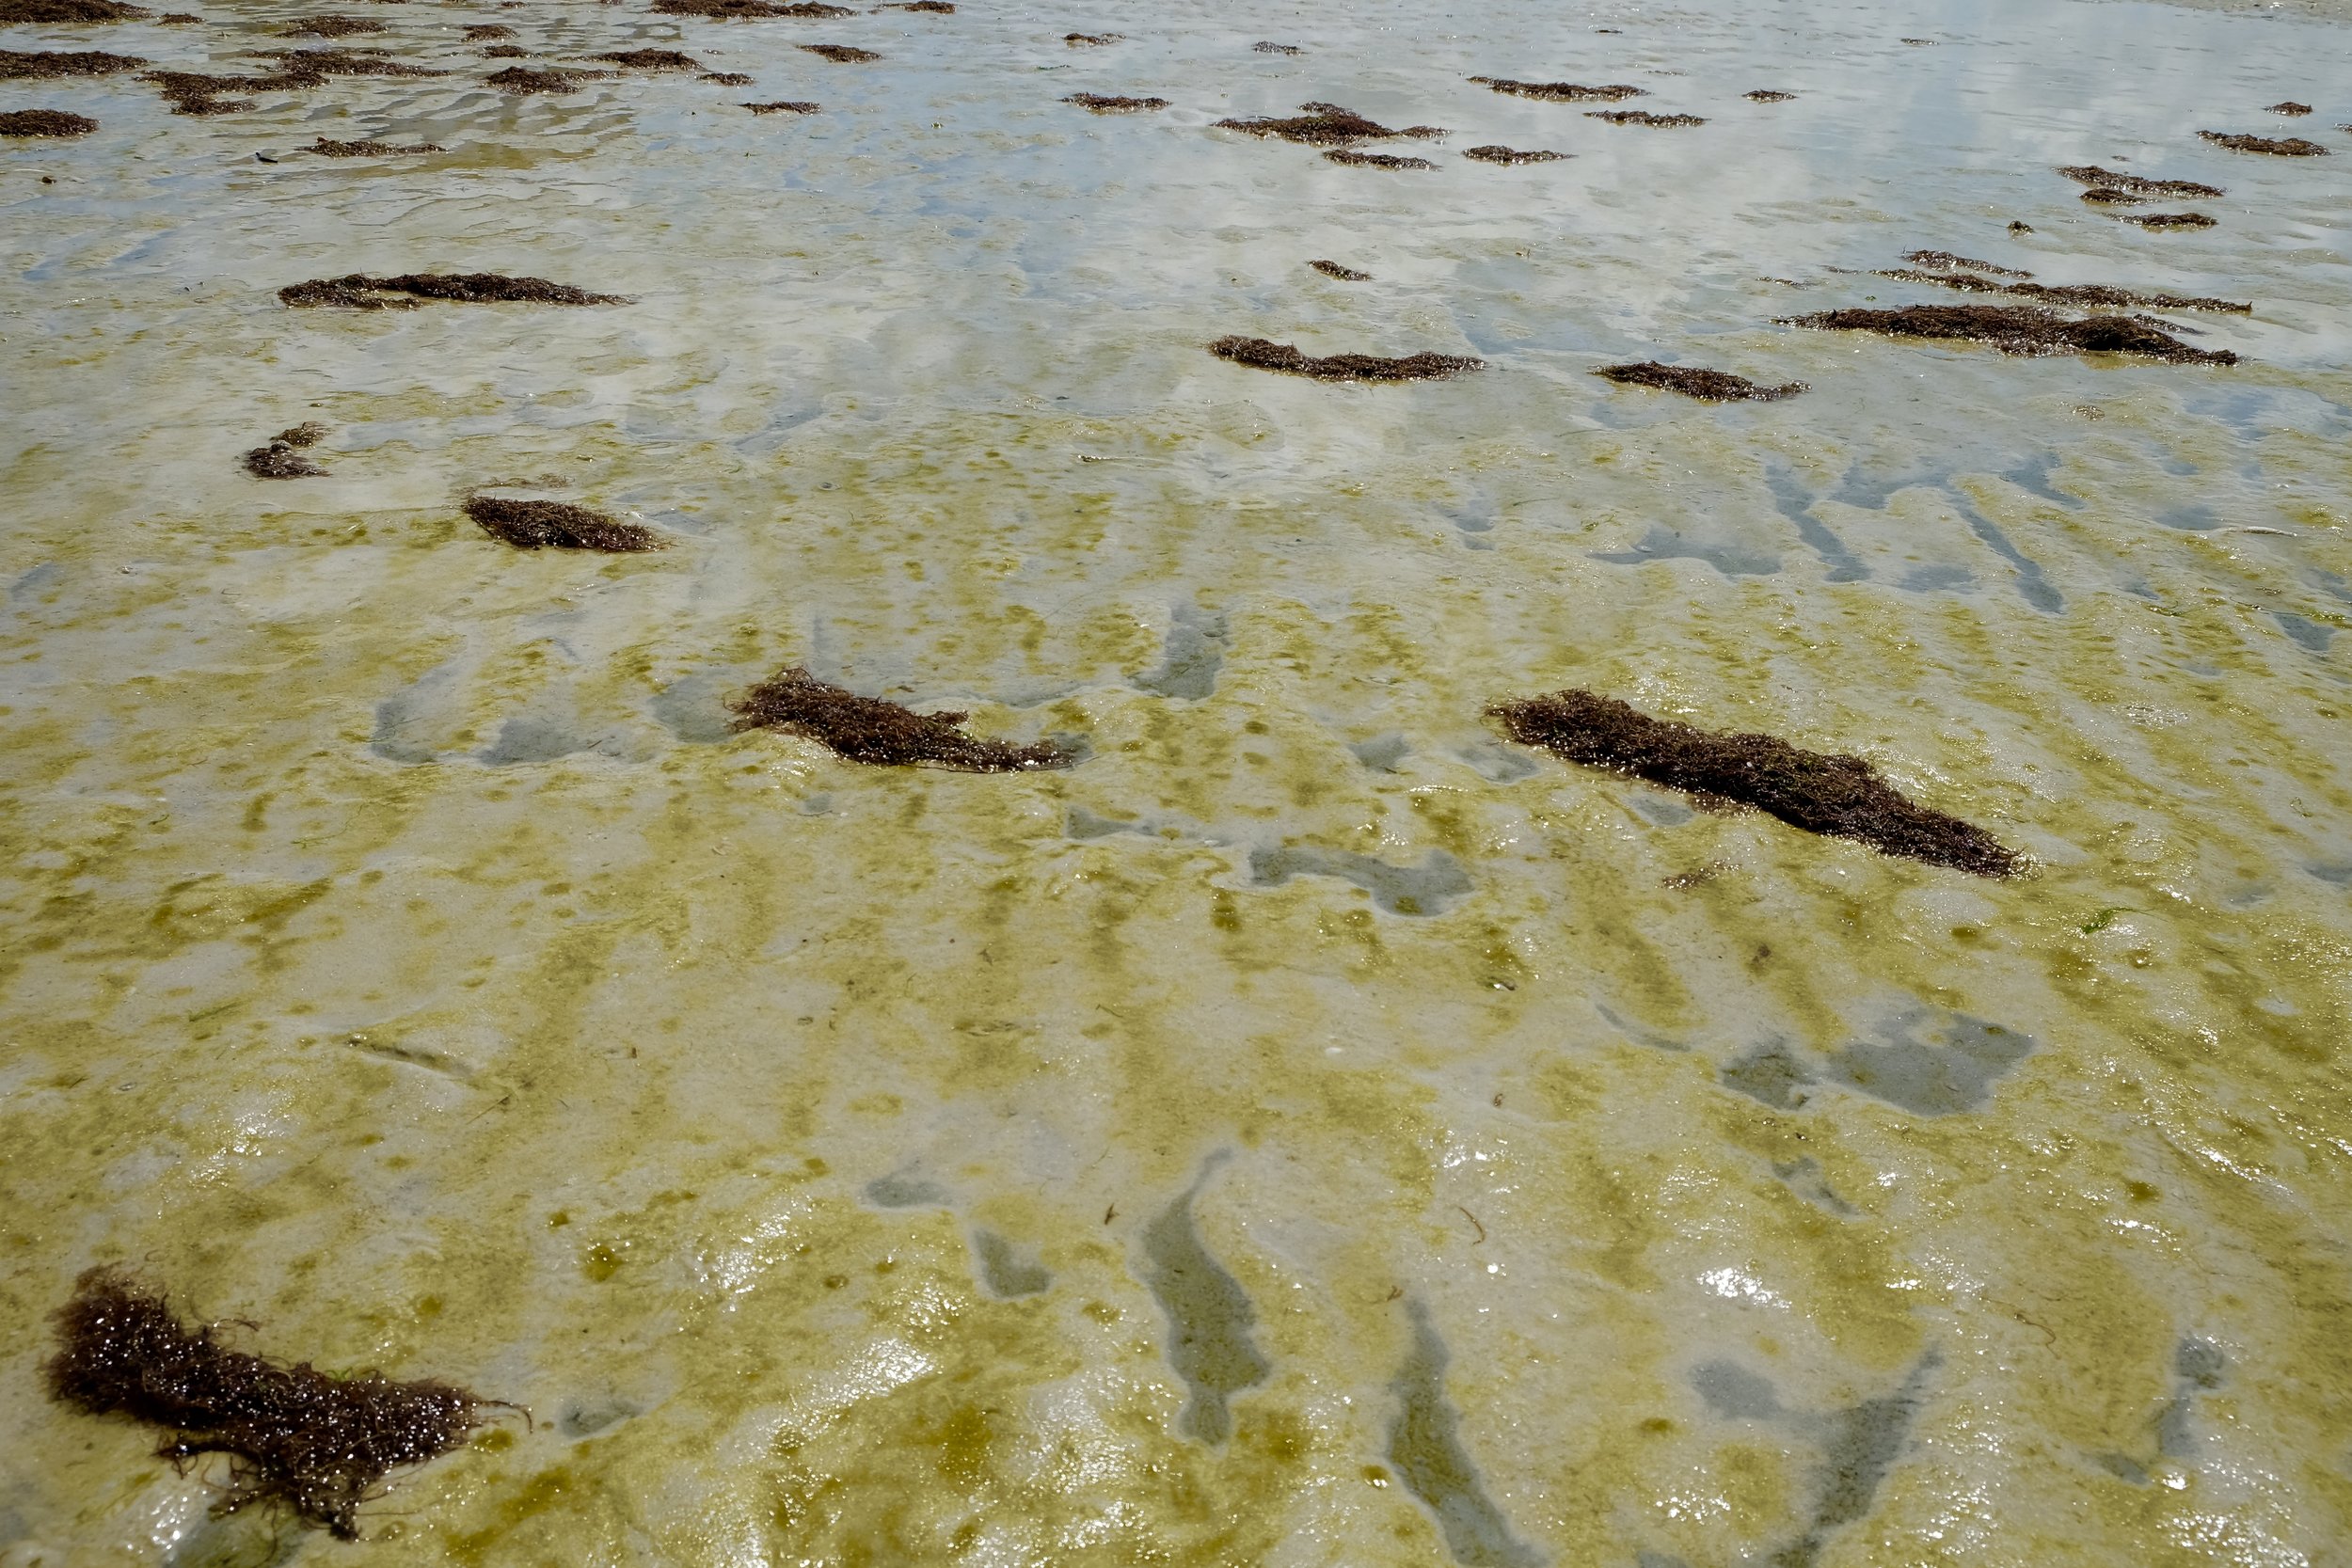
column 1312, row 1128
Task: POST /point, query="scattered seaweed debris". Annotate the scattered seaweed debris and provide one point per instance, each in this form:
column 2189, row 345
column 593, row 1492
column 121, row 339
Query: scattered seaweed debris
column 1323, row 125
column 840, row 54
column 882, row 734
column 2278, row 147
column 1708, row 386
column 2023, row 330
column 1262, row 354
column 298, row 1438
column 2288, row 106
column 1103, row 104
column 2168, row 220
column 45, row 122
column 1767, row 95
column 324, row 149
column 1640, row 117
column 1495, row 152
column 724, row 78
column 69, row 13
column 748, row 11
column 489, row 32
column 518, row 80
column 1375, row 160
column 1962, row 263
column 2115, row 180
column 1842, row 796
column 329, row 27
column 652, row 60
column 1345, row 275
column 282, row 458
column 1561, row 92
column 1085, row 41
column 358, row 292
column 2082, row 294
column 559, row 525
column 784, row 106
column 1266, row 46
column 42, row 68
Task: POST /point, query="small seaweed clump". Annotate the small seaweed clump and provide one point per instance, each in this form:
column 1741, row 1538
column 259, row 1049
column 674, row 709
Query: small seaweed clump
column 45, row 122
column 2022, row 329
column 1946, row 258
column 69, row 13
column 281, row 459
column 16, row 67
column 1640, row 117
column 1562, row 92
column 324, row 149
column 1085, row 40
column 1708, row 386
column 2168, row 220
column 1842, row 796
column 840, row 54
column 1323, row 125
column 747, row 11
column 931, row 8
column 488, row 32
column 882, row 734
column 1375, row 160
column 1101, row 103
column 2115, row 196
column 1767, row 95
column 2278, row 147
column 2288, row 106
column 652, row 60
column 1265, row 354
column 329, row 27
column 724, row 78
column 557, row 526
column 1265, row 47
column 1494, row 153
column 784, row 106
column 2114, row 179
column 1345, row 275
column 358, row 292
column 316, row 1445
column 506, row 52
column 517, row 79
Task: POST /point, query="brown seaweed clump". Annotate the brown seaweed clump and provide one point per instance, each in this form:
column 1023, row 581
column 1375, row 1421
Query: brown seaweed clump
column 324, row 149
column 2114, row 179
column 1264, row 354
column 1345, row 275
column 2081, row 294
column 558, row 526
column 2278, row 147
column 45, row 122
column 1103, row 104
column 1962, row 263
column 1640, row 117
column 652, row 60
column 2115, row 196
column 520, row 80
column 298, row 1438
column 1088, row 40
column 1323, row 125
column 1494, row 153
column 16, row 67
column 68, row 13
column 2023, row 330
column 311, row 67
column 748, row 11
column 358, row 292
column 174, row 18
column 1708, row 386
column 2168, row 220
column 282, row 458
column 1265, row 47
column 784, row 106
column 882, row 734
column 1375, row 160
column 724, row 78
column 840, row 54
column 1767, row 95
column 489, row 32
column 2288, row 106
column 929, row 7
column 1841, row 797
column 330, row 27
column 1561, row 92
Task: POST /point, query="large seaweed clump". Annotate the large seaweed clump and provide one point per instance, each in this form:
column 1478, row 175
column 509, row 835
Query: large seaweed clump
column 358, row 292
column 652, row 60
column 2023, row 329
column 1691, row 381
column 882, row 734
column 1323, row 125
column 45, row 122
column 2278, row 147
column 1265, row 354
column 48, row 67
column 2068, row 293
column 1842, row 796
column 559, row 525
column 296, row 1436
column 69, row 13
column 1561, row 92
column 2115, row 180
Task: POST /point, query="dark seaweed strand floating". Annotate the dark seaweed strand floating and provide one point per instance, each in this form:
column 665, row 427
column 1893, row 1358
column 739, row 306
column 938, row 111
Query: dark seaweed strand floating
column 2114, row 179
column 1103, row 104
column 652, row 60
column 784, row 106
column 724, row 78
column 45, row 122
column 518, row 80
column 748, row 11
column 2288, row 106
column 2084, row 294
column 1267, row 47
column 2168, row 220
column 559, row 525
column 840, row 54
column 358, row 292
column 929, row 7
column 1767, row 95
column 16, row 67
column 2115, row 196
column 882, row 734
column 1494, row 153
column 488, row 32
column 506, row 52
column 316, row 1445
column 1323, row 125
column 1263, row 354
column 2281, row 146
column 1842, row 796
column 324, row 149
column 1690, row 381
column 1561, row 92
column 329, row 27
column 1375, row 160
column 1640, row 117
column 1946, row 258
column 1345, row 275
column 2022, row 329
column 1085, row 40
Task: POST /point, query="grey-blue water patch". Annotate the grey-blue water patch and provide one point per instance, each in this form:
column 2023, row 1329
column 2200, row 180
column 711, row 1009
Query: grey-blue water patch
column 1190, row 658
column 694, row 710
column 2031, row 585
column 535, row 738
column 1382, row 753
column 2306, row 632
column 1209, row 1320
column 1428, row 888
column 2033, row 477
column 1931, row 1065
column 1771, row 1075
column 905, row 1189
column 2196, row 518
column 1008, row 1271
column 1425, row 1447
column 1666, row 543
column 1795, row 502
column 404, row 719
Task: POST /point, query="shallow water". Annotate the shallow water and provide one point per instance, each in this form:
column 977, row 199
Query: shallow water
column 1310, row 1130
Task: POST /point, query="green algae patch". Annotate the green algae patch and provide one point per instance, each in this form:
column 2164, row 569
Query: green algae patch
column 882, row 733
column 1842, row 796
